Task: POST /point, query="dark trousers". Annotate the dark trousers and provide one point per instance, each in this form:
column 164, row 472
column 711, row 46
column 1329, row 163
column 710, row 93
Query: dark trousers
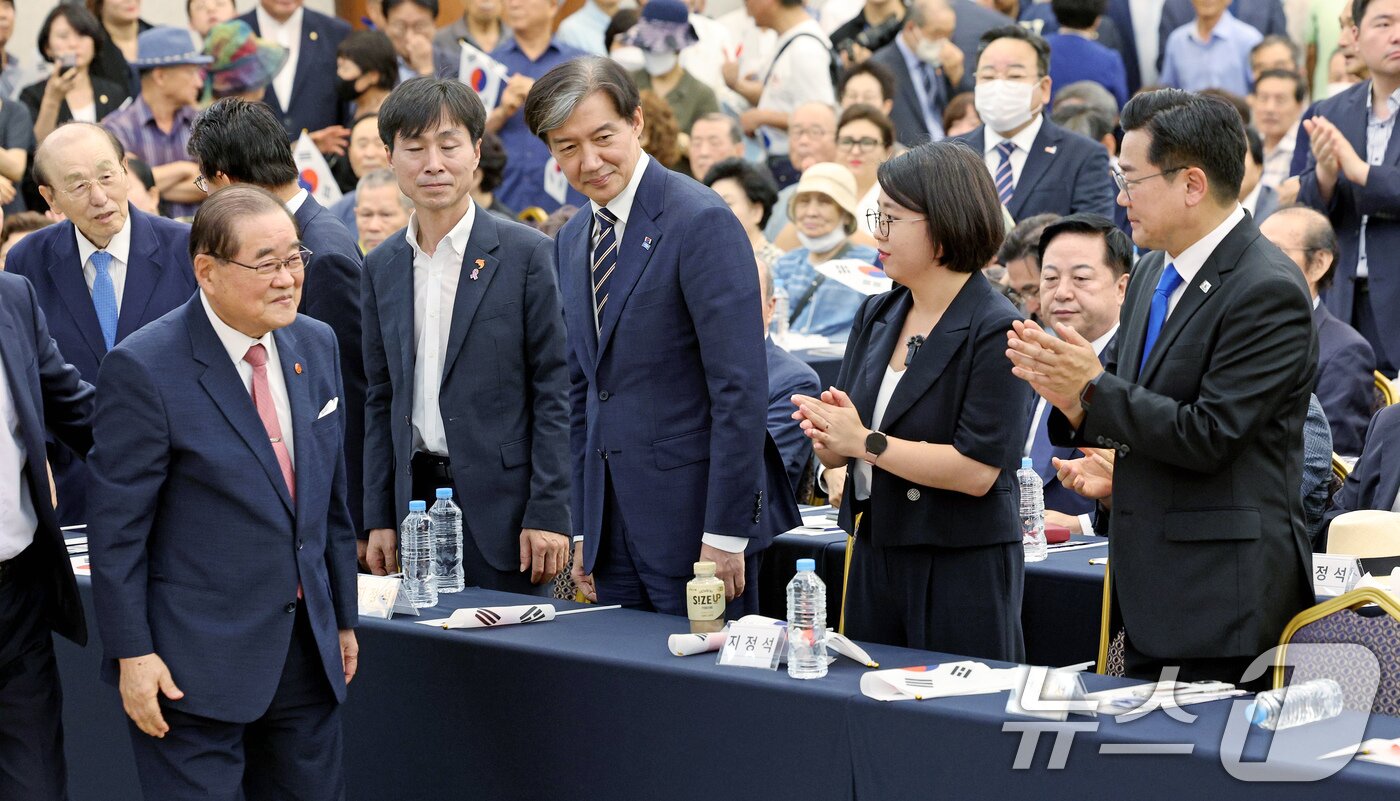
column 31, row 702
column 430, row 473
column 622, row 577
column 1137, row 665
column 1363, row 319
column 294, row 751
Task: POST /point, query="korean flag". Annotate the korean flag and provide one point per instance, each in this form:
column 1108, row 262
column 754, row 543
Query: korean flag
column 484, row 74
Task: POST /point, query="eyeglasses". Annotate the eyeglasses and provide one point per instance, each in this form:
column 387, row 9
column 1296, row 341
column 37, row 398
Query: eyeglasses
column 270, row 267
column 880, row 223
column 865, row 144
column 202, row 183
column 107, row 180
column 420, row 28
column 1125, row 184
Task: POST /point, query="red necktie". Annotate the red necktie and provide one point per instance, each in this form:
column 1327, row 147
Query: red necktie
column 262, row 401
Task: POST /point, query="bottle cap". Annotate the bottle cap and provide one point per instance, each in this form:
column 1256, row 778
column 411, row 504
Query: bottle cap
column 806, row 565
column 1256, row 712
column 417, row 506
column 704, row 569
column 444, row 492
column 1025, row 463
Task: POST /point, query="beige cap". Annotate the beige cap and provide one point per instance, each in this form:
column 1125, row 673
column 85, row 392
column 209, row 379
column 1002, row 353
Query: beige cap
column 1365, row 533
column 830, row 179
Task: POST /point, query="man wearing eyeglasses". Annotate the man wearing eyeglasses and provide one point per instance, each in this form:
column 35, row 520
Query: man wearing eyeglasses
column 106, row 271
column 222, row 549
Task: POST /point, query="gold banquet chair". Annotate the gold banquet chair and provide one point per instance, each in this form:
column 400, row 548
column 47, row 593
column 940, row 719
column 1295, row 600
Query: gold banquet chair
column 1340, row 471
column 1368, row 617
column 1110, row 660
column 1386, row 393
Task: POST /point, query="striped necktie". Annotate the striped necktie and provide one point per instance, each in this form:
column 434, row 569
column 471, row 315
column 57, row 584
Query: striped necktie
column 1005, row 179
column 604, row 260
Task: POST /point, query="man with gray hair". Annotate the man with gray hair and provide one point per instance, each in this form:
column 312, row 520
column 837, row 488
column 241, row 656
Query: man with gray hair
column 380, row 208
column 926, row 66
column 666, row 354
column 714, row 138
column 812, row 135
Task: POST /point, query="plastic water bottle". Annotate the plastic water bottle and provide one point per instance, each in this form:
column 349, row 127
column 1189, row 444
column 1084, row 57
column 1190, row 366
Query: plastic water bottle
column 1032, row 511
column 806, row 616
column 447, row 543
column 416, row 556
column 780, row 317
column 1294, row 705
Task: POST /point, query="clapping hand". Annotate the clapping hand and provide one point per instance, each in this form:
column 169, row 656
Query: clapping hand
column 832, row 423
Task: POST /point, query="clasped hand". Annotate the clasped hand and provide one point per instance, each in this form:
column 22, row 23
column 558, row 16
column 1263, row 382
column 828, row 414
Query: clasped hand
column 1058, row 369
column 832, row 423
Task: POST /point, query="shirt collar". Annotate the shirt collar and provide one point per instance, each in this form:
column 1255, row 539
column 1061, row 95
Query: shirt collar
column 235, row 342
column 119, row 247
column 298, row 200
column 513, row 44
column 1023, row 140
column 456, row 239
column 1194, row 257
column 621, row 205
column 1251, row 200
column 1221, row 30
column 1393, row 101
column 266, row 22
column 1102, row 342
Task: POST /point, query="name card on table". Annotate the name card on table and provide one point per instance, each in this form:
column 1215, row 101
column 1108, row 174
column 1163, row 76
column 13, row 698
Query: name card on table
column 754, row 645
column 379, row 596
column 1335, row 573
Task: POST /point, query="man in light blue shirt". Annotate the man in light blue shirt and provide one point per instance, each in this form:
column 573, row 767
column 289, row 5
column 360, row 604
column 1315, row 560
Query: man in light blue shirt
column 1211, row 51
column 584, row 28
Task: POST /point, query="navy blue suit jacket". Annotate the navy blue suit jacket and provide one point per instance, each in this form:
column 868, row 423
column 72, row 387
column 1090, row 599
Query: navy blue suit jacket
column 159, row 277
column 313, row 104
column 1345, row 380
column 48, row 394
column 197, row 546
column 1379, row 199
column 1120, row 14
column 331, row 294
column 1065, row 173
column 788, row 376
column 1374, row 480
column 504, row 390
column 1266, row 16
column 670, row 396
column 907, row 115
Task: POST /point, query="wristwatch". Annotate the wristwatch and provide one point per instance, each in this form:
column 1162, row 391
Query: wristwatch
column 875, row 444
column 1086, row 395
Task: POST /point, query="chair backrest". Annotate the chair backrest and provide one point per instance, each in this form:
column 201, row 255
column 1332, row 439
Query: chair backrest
column 1340, row 471
column 1386, row 393
column 1367, row 617
column 1112, row 639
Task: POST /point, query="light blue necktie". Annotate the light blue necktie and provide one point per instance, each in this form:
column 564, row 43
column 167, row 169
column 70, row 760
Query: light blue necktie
column 104, row 296
column 1157, row 314
column 1005, row 178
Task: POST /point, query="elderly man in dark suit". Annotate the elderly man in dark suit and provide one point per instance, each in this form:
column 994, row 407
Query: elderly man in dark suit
column 464, row 350
column 1374, row 481
column 1205, row 405
column 303, row 93
column 1037, row 166
column 106, row 271
column 926, row 67
column 39, row 393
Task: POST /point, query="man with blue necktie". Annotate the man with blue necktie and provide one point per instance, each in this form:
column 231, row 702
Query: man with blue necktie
column 99, row 276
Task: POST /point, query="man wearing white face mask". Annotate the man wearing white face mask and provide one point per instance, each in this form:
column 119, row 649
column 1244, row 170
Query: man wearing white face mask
column 926, row 66
column 662, row 32
column 1037, row 166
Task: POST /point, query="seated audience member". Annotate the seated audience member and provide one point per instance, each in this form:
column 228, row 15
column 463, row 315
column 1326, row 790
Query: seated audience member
column 205, row 14
column 1084, row 262
column 660, row 136
column 1211, row 51
column 1075, row 53
column 1277, row 103
column 1345, row 361
column 1089, row 122
column 662, row 33
column 365, row 155
column 557, row 220
column 823, row 211
column 629, row 56
column 479, row 26
column 870, row 83
column 18, row 226
column 365, row 71
column 16, row 142
column 1373, row 479
column 70, row 39
column 488, row 176
column 750, row 193
column 864, row 141
column 1275, row 52
column 714, row 138
column 927, row 67
column 143, row 191
column 411, row 26
column 1020, row 255
column 155, row 127
column 787, row 376
column 1037, row 166
column 1257, row 198
column 812, row 135
column 583, row 29
column 960, row 117
column 380, row 208
column 243, row 64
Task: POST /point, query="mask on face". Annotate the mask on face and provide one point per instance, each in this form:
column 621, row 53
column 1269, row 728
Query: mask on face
column 931, row 52
column 1003, row 105
column 345, row 89
column 659, row 63
column 1334, row 89
column 823, row 243
column 629, row 58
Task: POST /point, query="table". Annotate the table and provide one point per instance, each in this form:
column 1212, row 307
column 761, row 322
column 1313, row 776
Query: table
column 592, row 706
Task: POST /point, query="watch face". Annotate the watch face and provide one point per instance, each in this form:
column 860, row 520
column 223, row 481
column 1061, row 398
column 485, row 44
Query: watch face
column 876, row 443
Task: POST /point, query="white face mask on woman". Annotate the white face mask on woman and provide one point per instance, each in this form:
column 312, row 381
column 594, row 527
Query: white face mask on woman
column 629, row 58
column 824, row 243
column 658, row 64
column 1003, row 105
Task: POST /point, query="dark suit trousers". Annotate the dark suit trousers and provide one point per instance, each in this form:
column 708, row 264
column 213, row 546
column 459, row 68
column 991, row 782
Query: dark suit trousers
column 621, row 577
column 294, row 751
column 31, row 702
column 475, row 569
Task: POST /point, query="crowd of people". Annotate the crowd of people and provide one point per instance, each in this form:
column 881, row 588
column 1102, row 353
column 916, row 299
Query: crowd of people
column 1133, row 242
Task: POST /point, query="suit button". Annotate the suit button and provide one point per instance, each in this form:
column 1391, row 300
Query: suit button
column 756, row 518
column 291, row 607
column 602, row 396
column 300, row 545
column 1099, row 440
column 912, row 495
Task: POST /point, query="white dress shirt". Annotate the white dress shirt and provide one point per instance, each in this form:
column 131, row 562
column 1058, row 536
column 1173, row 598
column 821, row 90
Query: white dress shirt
column 1146, row 16
column 17, row 516
column 621, row 208
column 237, row 344
column 287, row 34
column 798, row 75
column 1194, row 258
column 863, row 475
column 298, row 200
column 119, row 248
column 1024, row 140
column 435, row 280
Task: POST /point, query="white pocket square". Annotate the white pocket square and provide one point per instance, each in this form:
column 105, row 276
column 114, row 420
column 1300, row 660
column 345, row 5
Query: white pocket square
column 330, row 406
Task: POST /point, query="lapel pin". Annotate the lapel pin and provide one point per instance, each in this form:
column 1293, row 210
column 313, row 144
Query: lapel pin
column 297, row 367
column 102, row 99
column 480, row 265
column 314, row 36
column 1051, row 149
column 1205, row 286
column 646, row 243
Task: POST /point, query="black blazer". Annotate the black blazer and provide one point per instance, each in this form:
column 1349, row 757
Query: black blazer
column 1346, row 380
column 957, row 391
column 1065, row 173
column 907, row 114
column 107, row 95
column 1209, row 550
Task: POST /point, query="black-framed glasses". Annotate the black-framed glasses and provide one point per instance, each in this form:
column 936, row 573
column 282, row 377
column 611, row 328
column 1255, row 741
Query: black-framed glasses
column 865, row 144
column 269, row 267
column 879, row 223
column 1125, row 184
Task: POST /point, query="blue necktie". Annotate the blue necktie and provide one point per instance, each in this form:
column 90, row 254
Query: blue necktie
column 104, row 296
column 933, row 95
column 1041, row 449
column 1157, row 314
column 1005, row 179
column 604, row 260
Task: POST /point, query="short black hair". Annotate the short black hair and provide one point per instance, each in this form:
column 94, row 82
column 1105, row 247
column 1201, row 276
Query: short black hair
column 882, row 75
column 431, row 6
column 1255, row 144
column 1023, row 240
column 421, row 103
column 966, row 226
column 872, row 115
column 372, row 51
column 1358, row 10
column 1191, row 130
column 1042, row 48
column 1118, row 248
column 493, row 162
column 1300, row 88
column 80, row 20
column 141, row 170
column 757, row 184
column 622, row 22
column 211, row 232
column 244, row 141
column 1078, row 14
